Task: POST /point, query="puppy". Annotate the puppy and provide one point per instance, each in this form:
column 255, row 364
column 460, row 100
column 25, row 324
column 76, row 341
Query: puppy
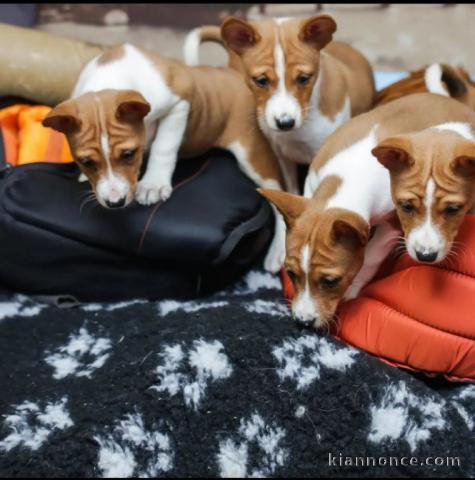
column 128, row 101
column 432, row 184
column 424, row 169
column 305, row 86
column 436, row 78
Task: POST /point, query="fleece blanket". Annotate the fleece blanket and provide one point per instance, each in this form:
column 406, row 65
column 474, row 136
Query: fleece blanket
column 225, row 386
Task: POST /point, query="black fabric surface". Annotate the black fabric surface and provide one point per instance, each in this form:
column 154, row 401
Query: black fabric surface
column 212, row 229
column 227, row 385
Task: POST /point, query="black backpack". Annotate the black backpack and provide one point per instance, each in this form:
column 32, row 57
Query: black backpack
column 53, row 242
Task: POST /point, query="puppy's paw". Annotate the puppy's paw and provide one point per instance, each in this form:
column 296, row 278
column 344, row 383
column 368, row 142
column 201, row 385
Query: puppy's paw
column 149, row 193
column 82, row 178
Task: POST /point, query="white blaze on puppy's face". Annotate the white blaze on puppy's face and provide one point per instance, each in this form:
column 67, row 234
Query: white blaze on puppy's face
column 426, row 240
column 282, row 108
column 304, row 307
column 112, row 187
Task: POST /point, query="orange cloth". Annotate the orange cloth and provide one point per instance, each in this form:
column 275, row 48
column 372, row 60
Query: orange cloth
column 418, row 316
column 27, row 141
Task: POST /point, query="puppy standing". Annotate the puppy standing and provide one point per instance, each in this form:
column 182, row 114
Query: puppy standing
column 305, row 87
column 127, row 101
column 427, row 142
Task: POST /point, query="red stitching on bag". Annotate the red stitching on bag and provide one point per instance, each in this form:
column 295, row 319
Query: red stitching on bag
column 159, row 204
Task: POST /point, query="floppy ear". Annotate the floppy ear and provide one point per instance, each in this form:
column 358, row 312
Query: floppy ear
column 454, row 81
column 351, row 230
column 289, row 205
column 132, row 106
column 463, row 164
column 392, row 154
column 63, row 118
column 238, row 34
column 318, row 31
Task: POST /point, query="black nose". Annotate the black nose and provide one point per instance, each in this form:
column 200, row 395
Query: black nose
column 285, row 123
column 118, row 204
column 305, row 323
column 426, row 257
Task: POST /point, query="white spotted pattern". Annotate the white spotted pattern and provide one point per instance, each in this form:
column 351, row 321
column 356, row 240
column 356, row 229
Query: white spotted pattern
column 256, row 280
column 130, row 439
column 81, row 356
column 266, row 438
column 401, row 414
column 463, row 402
column 110, row 307
column 268, row 307
column 208, row 362
column 20, row 306
column 301, row 360
column 168, row 306
column 31, row 425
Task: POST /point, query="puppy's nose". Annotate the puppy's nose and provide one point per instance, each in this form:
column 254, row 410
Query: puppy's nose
column 118, row 204
column 426, row 257
column 305, row 321
column 285, row 123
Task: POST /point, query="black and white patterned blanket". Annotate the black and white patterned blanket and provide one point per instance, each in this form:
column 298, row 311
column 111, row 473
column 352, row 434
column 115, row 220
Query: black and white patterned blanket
column 224, row 386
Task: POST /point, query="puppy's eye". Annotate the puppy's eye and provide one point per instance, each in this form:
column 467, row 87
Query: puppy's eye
column 407, row 206
column 330, row 282
column 87, row 162
column 303, row 79
column 292, row 275
column 261, row 81
column 128, row 155
column 452, row 210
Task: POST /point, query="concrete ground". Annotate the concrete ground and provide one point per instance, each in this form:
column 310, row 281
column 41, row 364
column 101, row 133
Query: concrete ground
column 399, row 37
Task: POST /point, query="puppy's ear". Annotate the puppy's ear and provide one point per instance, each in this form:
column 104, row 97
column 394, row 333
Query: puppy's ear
column 454, row 81
column 463, row 164
column 393, row 154
column 238, row 34
column 289, row 205
column 63, row 118
column 351, row 230
column 131, row 106
column 317, row 31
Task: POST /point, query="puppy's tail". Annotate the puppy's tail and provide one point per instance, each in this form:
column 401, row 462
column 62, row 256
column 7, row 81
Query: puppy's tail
column 206, row 33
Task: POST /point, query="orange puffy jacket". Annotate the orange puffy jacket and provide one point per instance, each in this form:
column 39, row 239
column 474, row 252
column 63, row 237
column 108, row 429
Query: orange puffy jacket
column 26, row 140
column 418, row 316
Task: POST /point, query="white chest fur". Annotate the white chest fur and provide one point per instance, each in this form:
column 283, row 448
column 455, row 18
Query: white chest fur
column 301, row 145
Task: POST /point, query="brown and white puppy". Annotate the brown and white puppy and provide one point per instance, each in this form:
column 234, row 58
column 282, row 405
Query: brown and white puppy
column 107, row 136
column 304, row 84
column 438, row 78
column 128, row 101
column 427, row 144
column 432, row 184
